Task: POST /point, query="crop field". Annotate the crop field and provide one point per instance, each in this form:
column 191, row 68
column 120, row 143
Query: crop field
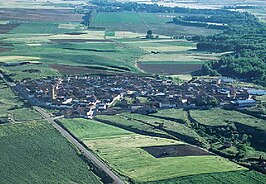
column 36, row 152
column 167, row 68
column 97, row 130
column 168, row 56
column 126, row 154
column 12, row 108
column 141, row 22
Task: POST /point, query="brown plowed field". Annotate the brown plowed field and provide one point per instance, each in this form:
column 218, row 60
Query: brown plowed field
column 79, row 40
column 43, row 15
column 5, row 28
column 175, row 151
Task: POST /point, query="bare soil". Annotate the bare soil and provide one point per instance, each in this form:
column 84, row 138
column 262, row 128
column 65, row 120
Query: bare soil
column 179, row 150
column 43, row 15
column 2, row 49
column 79, row 40
column 5, row 28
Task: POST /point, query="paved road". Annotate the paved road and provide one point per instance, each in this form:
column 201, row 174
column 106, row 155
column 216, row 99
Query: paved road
column 86, row 152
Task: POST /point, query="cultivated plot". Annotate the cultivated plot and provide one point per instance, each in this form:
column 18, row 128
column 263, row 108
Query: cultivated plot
column 125, row 153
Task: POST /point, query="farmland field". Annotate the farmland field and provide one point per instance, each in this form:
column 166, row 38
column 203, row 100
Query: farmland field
column 171, row 56
column 141, row 22
column 97, row 129
column 12, row 108
column 36, row 152
column 124, row 152
column 167, row 68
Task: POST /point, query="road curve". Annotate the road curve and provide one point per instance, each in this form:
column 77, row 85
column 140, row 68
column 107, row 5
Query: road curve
column 87, row 153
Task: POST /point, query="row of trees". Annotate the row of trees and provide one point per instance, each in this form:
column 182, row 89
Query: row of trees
column 181, row 21
column 105, row 6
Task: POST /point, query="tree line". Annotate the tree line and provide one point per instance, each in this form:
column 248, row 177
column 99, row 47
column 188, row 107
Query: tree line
column 246, row 40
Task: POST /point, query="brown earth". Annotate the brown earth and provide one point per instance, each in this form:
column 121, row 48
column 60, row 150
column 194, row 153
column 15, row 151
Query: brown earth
column 79, row 40
column 5, row 28
column 175, row 151
column 43, row 15
column 2, row 49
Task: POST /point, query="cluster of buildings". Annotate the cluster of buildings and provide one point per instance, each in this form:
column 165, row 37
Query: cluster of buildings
column 85, row 96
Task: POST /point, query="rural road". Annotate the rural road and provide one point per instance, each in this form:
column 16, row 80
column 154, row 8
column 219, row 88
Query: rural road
column 85, row 152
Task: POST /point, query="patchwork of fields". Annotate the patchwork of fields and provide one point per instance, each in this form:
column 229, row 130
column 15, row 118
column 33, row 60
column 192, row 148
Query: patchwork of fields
column 124, row 152
column 120, row 47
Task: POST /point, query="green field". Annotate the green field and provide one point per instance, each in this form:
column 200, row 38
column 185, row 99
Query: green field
column 170, row 127
column 141, row 22
column 148, row 124
column 38, row 28
column 35, row 152
column 97, row 129
column 220, row 117
column 235, row 177
column 131, row 124
column 122, row 151
column 12, row 109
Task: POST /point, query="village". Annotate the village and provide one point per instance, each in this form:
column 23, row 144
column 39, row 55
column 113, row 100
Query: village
column 87, row 96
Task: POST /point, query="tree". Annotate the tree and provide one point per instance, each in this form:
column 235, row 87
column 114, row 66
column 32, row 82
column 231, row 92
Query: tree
column 149, row 34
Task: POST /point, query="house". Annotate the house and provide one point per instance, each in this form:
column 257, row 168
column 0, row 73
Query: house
column 244, row 103
column 256, row 92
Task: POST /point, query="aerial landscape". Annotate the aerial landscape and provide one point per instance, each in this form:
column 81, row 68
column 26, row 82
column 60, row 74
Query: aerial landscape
column 133, row 91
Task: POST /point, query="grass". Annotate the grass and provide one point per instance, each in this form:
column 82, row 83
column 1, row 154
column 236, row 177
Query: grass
column 97, row 130
column 220, row 117
column 35, row 152
column 261, row 98
column 130, row 124
column 19, row 115
column 19, row 73
column 176, row 127
column 235, row 177
column 178, row 114
column 124, row 154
